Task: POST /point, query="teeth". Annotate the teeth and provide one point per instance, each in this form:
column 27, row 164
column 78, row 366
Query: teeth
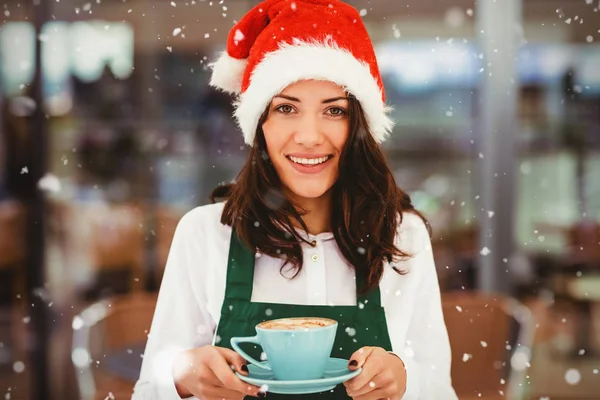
column 309, row 161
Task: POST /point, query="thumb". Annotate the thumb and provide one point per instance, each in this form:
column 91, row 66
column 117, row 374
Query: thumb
column 358, row 358
column 234, row 359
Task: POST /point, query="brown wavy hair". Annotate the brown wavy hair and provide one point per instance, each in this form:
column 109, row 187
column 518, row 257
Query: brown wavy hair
column 367, row 205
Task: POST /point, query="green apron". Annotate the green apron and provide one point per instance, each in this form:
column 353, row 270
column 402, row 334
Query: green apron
column 358, row 326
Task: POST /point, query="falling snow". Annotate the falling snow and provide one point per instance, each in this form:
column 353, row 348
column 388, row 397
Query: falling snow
column 466, row 357
column 572, row 376
column 49, row 183
column 485, row 251
column 77, row 323
column 238, row 36
column 18, row 367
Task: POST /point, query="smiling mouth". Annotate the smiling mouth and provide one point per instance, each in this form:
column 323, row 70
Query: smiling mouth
column 309, row 162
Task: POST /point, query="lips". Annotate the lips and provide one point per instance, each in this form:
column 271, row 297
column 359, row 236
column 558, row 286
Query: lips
column 309, row 165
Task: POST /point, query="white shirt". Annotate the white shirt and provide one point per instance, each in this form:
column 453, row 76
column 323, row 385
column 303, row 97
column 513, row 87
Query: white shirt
column 193, row 288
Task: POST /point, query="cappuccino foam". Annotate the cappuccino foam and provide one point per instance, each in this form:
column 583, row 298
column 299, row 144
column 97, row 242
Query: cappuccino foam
column 296, row 323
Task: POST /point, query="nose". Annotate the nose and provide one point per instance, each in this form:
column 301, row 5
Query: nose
column 308, row 132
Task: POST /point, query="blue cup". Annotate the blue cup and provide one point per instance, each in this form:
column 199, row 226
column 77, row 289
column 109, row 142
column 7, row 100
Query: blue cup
column 296, row 348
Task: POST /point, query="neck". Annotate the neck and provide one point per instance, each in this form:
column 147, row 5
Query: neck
column 318, row 213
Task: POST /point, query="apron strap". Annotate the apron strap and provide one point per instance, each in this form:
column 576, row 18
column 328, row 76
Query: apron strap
column 240, row 270
column 371, row 298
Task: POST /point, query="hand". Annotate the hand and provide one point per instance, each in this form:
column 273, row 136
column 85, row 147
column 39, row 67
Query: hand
column 382, row 377
column 205, row 373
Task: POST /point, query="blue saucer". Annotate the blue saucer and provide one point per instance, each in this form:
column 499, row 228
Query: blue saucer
column 336, row 372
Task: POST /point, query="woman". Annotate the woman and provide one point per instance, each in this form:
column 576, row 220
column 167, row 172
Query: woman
column 314, row 225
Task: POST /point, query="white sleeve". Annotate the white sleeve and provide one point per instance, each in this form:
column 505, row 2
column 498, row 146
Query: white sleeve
column 181, row 320
column 427, row 355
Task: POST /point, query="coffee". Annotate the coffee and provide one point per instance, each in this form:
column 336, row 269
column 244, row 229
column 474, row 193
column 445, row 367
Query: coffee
column 296, row 323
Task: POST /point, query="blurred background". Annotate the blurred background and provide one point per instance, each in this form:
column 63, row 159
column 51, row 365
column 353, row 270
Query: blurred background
column 109, row 133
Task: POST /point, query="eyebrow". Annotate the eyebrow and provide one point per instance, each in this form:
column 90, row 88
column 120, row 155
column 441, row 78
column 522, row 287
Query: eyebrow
column 326, row 101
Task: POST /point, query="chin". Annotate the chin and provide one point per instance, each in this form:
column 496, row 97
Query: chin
column 309, row 191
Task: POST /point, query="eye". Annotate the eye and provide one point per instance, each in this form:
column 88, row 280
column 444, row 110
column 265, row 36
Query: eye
column 336, row 111
column 285, row 109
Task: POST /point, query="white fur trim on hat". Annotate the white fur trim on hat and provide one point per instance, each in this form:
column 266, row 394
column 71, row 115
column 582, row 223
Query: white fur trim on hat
column 312, row 60
column 227, row 73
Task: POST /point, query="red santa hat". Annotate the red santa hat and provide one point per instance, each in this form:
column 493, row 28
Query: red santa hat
column 279, row 42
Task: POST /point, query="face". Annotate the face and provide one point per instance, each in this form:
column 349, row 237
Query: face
column 305, row 131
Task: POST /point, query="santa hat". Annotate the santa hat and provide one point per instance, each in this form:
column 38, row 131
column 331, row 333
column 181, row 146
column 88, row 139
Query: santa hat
column 279, row 42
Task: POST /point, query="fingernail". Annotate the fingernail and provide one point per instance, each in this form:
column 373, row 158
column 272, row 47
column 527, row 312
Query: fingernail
column 245, row 368
column 353, row 363
column 262, row 395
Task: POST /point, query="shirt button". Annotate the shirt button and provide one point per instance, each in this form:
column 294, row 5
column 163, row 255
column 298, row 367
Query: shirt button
column 313, row 243
column 315, row 257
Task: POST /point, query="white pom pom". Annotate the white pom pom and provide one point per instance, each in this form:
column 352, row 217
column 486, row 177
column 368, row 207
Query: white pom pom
column 227, row 73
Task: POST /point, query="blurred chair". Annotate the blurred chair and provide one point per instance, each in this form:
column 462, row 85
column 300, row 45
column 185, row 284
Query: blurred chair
column 14, row 355
column 13, row 224
column 491, row 338
column 103, row 241
column 167, row 219
column 118, row 242
column 109, row 339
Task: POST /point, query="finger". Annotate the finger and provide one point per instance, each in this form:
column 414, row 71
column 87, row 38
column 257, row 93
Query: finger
column 359, row 357
column 377, row 394
column 380, row 381
column 229, row 380
column 215, row 392
column 237, row 361
column 370, row 368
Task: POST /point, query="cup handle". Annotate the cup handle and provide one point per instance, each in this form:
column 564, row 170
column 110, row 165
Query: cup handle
column 249, row 339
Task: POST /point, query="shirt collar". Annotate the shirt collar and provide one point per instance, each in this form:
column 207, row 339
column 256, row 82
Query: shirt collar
column 323, row 236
